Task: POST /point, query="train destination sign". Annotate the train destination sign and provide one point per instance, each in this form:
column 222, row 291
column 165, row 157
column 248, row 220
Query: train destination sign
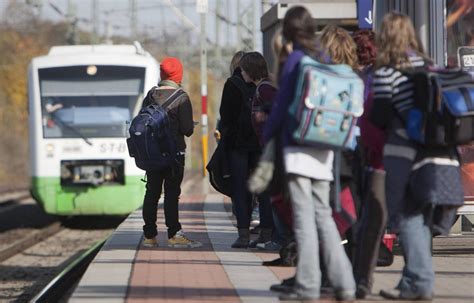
column 466, row 58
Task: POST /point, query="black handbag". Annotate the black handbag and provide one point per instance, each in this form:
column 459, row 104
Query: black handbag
column 385, row 257
column 219, row 170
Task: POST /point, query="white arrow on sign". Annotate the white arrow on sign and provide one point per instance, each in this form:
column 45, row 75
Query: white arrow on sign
column 369, row 19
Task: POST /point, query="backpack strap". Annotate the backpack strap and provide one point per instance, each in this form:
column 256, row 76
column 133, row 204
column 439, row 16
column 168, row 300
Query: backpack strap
column 172, row 98
column 264, row 105
column 148, row 100
column 337, row 180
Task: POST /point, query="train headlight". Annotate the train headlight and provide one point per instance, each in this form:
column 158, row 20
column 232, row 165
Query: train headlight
column 91, row 70
column 49, row 150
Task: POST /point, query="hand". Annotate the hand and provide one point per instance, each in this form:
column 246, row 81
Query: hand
column 217, row 134
column 260, row 117
column 52, row 108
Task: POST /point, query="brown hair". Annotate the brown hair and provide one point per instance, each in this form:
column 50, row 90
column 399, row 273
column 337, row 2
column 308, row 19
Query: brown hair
column 396, row 39
column 254, row 65
column 234, row 63
column 300, row 28
column 281, row 51
column 339, row 46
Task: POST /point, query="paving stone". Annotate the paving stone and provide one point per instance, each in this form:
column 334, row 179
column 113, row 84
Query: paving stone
column 124, row 271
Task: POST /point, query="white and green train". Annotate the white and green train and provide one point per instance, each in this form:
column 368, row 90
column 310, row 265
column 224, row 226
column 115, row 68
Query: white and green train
column 80, row 99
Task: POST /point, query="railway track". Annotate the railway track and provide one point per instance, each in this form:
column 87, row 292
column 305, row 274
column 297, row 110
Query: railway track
column 35, row 247
column 57, row 290
column 23, row 223
column 8, row 196
column 29, row 240
column 24, row 274
column 12, row 198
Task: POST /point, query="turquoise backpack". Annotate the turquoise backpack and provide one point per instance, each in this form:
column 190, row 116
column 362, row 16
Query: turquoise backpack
column 328, row 100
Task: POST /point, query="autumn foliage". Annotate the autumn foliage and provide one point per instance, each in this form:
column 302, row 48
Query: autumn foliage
column 23, row 36
column 19, row 43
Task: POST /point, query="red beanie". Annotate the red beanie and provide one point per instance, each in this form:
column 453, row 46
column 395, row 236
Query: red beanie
column 171, row 69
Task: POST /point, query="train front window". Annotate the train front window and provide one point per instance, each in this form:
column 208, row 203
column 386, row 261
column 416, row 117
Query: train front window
column 89, row 101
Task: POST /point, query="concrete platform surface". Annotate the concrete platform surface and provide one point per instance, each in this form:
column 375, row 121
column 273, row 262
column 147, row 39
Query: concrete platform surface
column 124, row 271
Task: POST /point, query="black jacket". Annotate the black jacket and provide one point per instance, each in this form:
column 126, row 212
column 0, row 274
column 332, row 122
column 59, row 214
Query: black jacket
column 241, row 135
column 180, row 114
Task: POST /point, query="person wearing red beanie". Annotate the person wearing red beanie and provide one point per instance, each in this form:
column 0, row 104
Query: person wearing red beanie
column 171, row 69
column 180, row 114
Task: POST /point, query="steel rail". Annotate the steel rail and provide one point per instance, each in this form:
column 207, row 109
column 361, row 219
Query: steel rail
column 67, row 278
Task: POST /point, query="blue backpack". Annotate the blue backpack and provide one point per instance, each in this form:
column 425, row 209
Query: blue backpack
column 326, row 105
column 151, row 142
column 443, row 113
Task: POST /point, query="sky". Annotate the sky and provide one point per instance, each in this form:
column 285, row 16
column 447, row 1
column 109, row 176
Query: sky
column 153, row 15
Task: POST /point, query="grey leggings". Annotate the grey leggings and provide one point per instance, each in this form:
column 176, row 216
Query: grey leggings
column 314, row 227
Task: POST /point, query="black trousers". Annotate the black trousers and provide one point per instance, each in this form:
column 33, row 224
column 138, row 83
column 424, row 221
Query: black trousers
column 170, row 179
column 372, row 226
column 242, row 163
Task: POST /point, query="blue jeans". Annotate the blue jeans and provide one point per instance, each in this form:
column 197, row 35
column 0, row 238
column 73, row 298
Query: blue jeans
column 413, row 229
column 282, row 233
column 415, row 238
column 242, row 162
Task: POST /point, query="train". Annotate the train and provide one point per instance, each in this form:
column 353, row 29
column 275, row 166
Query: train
column 81, row 99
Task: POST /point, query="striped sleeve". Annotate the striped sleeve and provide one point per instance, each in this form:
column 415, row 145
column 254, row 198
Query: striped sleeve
column 383, row 91
column 383, row 83
column 396, row 87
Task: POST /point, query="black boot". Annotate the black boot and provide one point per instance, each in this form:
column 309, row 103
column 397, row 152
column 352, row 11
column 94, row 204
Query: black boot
column 243, row 239
column 264, row 236
column 285, row 286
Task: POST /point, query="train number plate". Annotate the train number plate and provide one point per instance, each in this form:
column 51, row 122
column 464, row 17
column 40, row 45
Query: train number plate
column 112, row 148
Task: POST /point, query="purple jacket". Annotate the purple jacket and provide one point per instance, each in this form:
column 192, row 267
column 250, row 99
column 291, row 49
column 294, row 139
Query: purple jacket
column 277, row 121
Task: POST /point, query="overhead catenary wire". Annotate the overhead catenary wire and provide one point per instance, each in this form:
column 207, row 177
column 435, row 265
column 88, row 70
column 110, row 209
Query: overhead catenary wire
column 245, row 34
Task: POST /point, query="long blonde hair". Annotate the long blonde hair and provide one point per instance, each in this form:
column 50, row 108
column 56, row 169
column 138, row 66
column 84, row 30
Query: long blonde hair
column 339, row 45
column 395, row 41
column 234, row 63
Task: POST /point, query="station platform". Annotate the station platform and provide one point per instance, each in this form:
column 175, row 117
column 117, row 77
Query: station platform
column 125, row 271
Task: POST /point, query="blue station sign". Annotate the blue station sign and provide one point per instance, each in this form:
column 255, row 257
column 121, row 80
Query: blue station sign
column 365, row 13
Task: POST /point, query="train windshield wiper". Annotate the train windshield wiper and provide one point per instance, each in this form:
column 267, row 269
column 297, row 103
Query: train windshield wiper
column 70, row 127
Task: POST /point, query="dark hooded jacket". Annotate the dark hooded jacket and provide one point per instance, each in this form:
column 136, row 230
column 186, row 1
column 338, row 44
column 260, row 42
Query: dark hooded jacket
column 235, row 123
